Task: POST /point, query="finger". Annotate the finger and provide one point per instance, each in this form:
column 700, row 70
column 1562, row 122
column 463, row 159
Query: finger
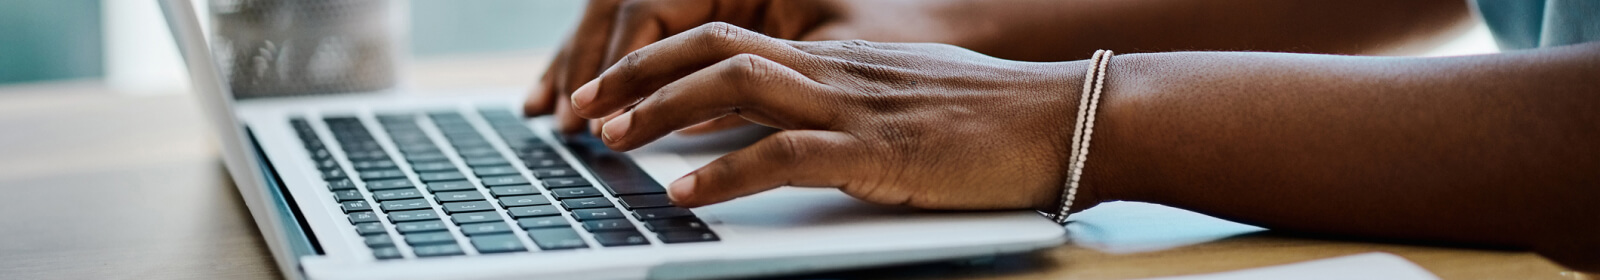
column 719, row 124
column 543, row 98
column 813, row 158
column 640, row 22
column 566, row 121
column 595, row 124
column 747, row 85
column 640, row 73
column 588, row 41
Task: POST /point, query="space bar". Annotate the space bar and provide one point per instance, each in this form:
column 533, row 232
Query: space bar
column 617, row 172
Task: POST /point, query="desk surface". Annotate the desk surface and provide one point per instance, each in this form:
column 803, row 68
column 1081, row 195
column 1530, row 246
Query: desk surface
column 101, row 185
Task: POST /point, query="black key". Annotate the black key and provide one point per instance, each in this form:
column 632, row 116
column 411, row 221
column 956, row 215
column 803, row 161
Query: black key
column 581, row 203
column 557, row 239
column 478, row 152
column 333, row 174
column 388, row 184
column 494, row 170
column 428, row 177
column 341, row 184
column 683, row 223
column 406, row 193
column 378, row 240
column 538, row 153
column 644, row 201
column 523, row 200
column 420, row 149
column 475, row 217
column 556, row 172
column 544, row 163
column 428, row 157
column 504, row 180
column 433, row 166
column 620, row 238
column 353, row 206
column 564, row 182
column 362, row 217
column 400, row 205
column 347, row 195
column 485, row 161
column 367, row 155
column 328, row 164
column 512, row 190
column 497, row 243
column 469, row 143
column 462, row 207
column 372, row 165
column 413, row 215
column 370, row 228
column 321, row 154
column 449, row 186
column 382, row 174
column 444, row 197
column 661, row 213
column 607, row 225
column 419, row 226
column 429, row 238
column 686, row 236
column 597, row 214
column 448, row 249
column 577, row 192
column 543, row 222
column 484, row 228
column 633, row 186
column 533, row 211
column 386, row 253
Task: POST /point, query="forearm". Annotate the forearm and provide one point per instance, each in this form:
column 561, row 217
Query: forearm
column 1039, row 30
column 1497, row 150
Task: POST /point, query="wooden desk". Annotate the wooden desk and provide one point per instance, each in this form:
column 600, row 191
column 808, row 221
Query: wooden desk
column 104, row 186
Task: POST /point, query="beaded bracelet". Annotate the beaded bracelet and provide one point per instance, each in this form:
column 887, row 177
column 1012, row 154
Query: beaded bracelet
column 1082, row 130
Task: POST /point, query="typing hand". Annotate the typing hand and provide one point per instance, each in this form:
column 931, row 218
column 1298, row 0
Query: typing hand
column 924, row 125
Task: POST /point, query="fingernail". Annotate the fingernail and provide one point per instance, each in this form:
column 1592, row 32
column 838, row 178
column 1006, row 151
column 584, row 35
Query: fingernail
column 584, row 94
column 617, row 127
column 683, row 187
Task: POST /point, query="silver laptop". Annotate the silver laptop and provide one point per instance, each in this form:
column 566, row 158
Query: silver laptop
column 390, row 185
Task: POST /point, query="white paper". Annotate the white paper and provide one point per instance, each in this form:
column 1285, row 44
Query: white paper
column 1361, row 266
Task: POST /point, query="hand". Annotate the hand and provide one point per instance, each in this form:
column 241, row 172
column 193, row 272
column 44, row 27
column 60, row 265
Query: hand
column 613, row 28
column 924, row 125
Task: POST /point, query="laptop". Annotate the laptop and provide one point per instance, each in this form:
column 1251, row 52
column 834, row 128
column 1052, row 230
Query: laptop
column 397, row 185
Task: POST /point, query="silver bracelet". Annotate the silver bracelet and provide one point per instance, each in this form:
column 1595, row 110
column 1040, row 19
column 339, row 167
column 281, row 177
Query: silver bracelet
column 1082, row 130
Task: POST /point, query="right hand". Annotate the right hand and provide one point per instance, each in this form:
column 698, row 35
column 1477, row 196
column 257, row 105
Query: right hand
column 611, row 29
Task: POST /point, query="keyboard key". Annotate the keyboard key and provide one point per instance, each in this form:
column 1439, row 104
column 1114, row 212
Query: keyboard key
column 444, row 197
column 634, row 186
column 420, row 149
column 644, row 201
column 504, row 180
column 544, row 163
column 462, row 207
column 378, row 240
column 620, row 238
column 347, row 195
column 494, row 171
column 382, row 174
column 683, row 223
column 577, row 192
column 328, row 164
column 512, row 190
column 564, row 182
column 597, row 214
column 370, row 228
column 419, row 226
column 413, row 215
column 485, row 228
column 333, row 174
column 362, row 217
column 532, row 211
column 358, row 155
column 686, row 236
column 406, row 193
column 556, row 239
column 475, row 217
column 477, row 152
column 497, row 243
column 401, row 205
column 429, row 238
column 523, row 200
column 372, row 165
column 428, row 177
column 426, row 157
column 538, row 153
column 554, row 172
column 388, row 184
column 581, row 203
column 448, row 249
column 433, row 166
column 354, row 206
column 543, row 222
column 607, row 225
column 661, row 213
column 450, row 186
column 386, row 253
column 486, row 161
column 342, row 184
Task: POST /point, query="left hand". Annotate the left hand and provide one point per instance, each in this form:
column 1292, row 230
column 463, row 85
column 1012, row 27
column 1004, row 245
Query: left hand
column 924, row 125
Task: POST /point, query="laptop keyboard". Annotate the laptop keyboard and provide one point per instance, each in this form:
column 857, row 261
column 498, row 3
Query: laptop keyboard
column 465, row 191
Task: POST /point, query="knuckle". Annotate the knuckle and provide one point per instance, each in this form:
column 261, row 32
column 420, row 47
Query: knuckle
column 629, row 66
column 720, row 35
column 790, row 148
